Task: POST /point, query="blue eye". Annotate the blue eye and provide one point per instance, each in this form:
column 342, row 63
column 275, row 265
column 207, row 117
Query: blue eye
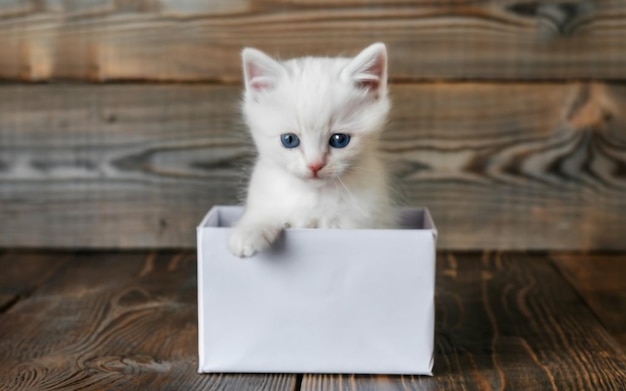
column 339, row 140
column 289, row 140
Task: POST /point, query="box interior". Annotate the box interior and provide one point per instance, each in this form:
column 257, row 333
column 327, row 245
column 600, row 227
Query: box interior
column 227, row 216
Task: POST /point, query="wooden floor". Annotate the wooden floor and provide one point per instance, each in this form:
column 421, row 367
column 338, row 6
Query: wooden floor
column 127, row 320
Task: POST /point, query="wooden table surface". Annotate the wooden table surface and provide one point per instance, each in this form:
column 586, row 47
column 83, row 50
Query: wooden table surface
column 127, row 320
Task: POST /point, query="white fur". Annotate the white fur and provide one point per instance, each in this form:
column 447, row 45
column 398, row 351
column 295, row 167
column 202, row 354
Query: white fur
column 314, row 98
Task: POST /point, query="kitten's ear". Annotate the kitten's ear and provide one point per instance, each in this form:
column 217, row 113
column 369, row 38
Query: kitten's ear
column 368, row 70
column 260, row 71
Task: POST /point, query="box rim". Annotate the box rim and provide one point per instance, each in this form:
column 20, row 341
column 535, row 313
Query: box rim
column 428, row 221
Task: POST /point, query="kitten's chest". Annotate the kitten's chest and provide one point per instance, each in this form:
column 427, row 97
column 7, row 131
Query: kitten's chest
column 322, row 208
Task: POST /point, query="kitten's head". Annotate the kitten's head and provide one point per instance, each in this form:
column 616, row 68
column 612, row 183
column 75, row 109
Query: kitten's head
column 316, row 117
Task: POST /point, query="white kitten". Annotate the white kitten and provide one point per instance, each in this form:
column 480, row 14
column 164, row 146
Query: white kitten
column 316, row 123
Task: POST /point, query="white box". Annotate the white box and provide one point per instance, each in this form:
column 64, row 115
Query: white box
column 319, row 301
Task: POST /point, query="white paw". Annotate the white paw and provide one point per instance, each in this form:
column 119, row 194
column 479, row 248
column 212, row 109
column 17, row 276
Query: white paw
column 246, row 240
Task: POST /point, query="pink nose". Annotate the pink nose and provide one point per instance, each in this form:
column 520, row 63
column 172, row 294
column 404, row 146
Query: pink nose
column 315, row 167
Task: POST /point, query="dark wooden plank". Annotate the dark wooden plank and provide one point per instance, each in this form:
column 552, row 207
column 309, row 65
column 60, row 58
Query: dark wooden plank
column 6, row 301
column 24, row 271
column 198, row 40
column 114, row 321
column 506, row 321
column 524, row 166
column 601, row 281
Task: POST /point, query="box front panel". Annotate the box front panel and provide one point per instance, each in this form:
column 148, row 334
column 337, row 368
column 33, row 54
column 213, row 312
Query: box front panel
column 327, row 301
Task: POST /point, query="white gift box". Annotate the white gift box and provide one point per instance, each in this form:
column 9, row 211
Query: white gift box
column 319, row 301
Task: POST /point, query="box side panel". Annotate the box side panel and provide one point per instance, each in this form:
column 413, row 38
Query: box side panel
column 433, row 278
column 211, row 219
column 411, row 218
column 429, row 223
column 201, row 279
column 229, row 215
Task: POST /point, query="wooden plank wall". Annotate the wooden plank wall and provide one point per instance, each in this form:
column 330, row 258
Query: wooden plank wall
column 120, row 127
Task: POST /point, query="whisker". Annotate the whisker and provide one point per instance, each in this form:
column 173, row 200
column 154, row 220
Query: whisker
column 356, row 205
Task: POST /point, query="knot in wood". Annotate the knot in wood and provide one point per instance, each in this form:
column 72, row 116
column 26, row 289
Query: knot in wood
column 554, row 19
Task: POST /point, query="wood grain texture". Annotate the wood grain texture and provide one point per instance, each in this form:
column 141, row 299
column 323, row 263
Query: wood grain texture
column 7, row 300
column 195, row 40
column 509, row 166
column 114, row 321
column 128, row 320
column 505, row 321
column 23, row 271
column 600, row 280
column 133, row 166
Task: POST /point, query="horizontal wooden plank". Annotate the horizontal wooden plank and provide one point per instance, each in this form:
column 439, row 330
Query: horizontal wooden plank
column 114, row 321
column 132, row 166
column 505, row 321
column 539, row 166
column 197, row 40
column 599, row 278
